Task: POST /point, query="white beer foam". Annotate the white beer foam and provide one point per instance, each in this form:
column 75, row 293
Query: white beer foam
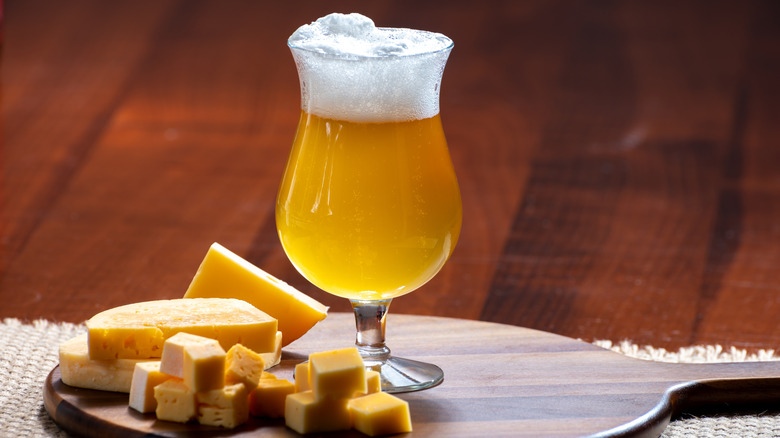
column 349, row 69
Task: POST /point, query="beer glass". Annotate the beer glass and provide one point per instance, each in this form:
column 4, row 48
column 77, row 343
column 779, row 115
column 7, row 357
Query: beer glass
column 369, row 207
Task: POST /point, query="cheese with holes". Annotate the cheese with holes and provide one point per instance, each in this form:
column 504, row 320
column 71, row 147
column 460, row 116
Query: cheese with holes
column 268, row 397
column 146, row 376
column 225, row 407
column 337, row 373
column 137, row 331
column 243, row 365
column 78, row 370
column 224, row 274
column 380, row 414
column 175, row 402
column 199, row 361
column 305, row 413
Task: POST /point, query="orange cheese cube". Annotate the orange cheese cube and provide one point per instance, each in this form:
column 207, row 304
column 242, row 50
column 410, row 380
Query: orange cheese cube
column 305, row 413
column 337, row 373
column 268, row 398
column 302, row 382
column 380, row 413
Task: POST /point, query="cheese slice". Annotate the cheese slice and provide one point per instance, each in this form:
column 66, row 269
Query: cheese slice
column 137, row 331
column 78, row 370
column 224, row 274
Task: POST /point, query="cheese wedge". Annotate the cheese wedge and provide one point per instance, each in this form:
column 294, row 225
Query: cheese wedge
column 137, row 331
column 78, row 370
column 224, row 274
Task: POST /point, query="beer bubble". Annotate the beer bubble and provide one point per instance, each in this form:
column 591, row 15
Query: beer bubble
column 349, row 69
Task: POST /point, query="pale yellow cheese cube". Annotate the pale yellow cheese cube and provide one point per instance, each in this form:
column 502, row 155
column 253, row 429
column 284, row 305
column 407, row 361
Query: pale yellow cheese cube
column 199, row 361
column 380, row 413
column 77, row 369
column 226, row 407
column 175, row 402
column 305, row 413
column 337, row 373
column 243, row 365
column 267, row 399
column 224, row 274
column 146, row 376
column 302, row 382
column 137, row 331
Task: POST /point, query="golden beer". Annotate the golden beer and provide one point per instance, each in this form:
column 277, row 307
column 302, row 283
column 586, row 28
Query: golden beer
column 369, row 211
column 369, row 206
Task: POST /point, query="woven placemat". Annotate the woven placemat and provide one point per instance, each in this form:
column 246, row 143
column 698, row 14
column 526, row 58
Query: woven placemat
column 28, row 352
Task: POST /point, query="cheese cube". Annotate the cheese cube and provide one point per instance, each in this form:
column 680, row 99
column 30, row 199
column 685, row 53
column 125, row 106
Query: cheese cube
column 305, row 413
column 199, row 361
column 337, row 373
column 302, row 382
column 224, row 274
column 175, row 402
column 267, row 375
column 243, row 365
column 380, row 414
column 146, row 376
column 137, row 331
column 226, row 407
column 272, row 358
column 268, row 398
column 77, row 369
column 373, row 383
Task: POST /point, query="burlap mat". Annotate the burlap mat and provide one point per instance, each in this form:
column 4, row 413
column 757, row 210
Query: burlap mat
column 29, row 352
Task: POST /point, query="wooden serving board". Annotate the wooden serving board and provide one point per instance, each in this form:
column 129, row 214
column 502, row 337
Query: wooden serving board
column 499, row 380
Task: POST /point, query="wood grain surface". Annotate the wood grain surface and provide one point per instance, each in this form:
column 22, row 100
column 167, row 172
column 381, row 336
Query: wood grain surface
column 500, row 380
column 618, row 160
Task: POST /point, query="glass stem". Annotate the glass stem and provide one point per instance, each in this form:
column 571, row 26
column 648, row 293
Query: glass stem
column 370, row 324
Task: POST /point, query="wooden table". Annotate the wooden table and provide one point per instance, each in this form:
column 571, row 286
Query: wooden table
column 619, row 161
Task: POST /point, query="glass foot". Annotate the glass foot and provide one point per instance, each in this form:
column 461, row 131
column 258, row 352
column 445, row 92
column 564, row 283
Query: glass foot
column 406, row 375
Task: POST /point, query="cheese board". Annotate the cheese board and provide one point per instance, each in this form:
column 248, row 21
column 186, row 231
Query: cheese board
column 500, row 380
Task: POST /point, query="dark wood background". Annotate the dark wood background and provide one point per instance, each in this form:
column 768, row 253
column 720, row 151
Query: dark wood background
column 619, row 160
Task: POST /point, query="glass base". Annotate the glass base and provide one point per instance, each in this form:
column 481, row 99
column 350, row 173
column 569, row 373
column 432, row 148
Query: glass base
column 405, row 375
